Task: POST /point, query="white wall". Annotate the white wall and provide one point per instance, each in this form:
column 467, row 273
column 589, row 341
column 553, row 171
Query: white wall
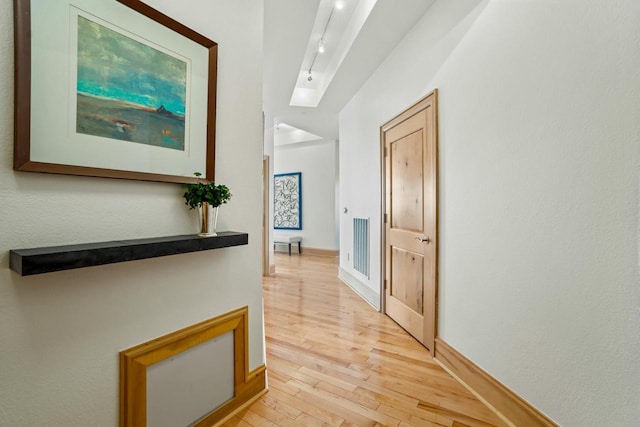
column 60, row 333
column 317, row 162
column 539, row 182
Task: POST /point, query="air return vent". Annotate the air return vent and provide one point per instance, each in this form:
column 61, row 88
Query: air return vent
column 361, row 245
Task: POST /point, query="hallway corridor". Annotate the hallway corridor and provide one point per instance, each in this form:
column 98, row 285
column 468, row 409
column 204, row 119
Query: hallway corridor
column 333, row 360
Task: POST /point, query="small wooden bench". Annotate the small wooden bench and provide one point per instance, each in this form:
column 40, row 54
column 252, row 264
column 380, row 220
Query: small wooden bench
column 287, row 240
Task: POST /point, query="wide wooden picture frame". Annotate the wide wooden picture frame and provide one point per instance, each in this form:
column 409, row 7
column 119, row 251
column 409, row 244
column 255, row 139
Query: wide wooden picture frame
column 135, row 361
column 287, row 199
column 151, row 119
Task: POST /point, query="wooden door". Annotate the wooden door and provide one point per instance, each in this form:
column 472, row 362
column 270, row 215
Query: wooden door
column 266, row 179
column 410, row 249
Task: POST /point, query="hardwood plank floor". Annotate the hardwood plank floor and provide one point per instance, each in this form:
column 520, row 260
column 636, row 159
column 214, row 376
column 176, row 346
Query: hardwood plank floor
column 333, row 360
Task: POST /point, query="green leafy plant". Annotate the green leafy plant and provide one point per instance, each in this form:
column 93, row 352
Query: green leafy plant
column 204, row 191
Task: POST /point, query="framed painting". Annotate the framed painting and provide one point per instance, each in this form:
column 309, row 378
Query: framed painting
column 112, row 89
column 287, row 201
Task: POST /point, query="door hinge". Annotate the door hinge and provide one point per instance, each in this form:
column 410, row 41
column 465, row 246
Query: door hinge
column 385, row 218
column 385, row 152
column 385, row 284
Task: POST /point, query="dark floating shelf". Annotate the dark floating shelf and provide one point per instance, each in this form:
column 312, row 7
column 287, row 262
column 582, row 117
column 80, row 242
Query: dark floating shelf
column 27, row 262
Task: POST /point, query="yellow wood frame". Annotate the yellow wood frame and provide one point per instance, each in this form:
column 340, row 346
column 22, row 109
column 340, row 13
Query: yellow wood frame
column 134, row 362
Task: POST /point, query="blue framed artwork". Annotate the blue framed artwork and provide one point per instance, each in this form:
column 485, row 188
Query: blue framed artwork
column 288, row 201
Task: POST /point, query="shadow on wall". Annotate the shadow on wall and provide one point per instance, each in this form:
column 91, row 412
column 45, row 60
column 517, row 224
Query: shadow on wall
column 457, row 18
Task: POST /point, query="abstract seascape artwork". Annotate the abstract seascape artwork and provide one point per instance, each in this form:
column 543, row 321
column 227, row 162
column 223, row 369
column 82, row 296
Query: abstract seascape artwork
column 112, row 89
column 128, row 90
column 288, row 201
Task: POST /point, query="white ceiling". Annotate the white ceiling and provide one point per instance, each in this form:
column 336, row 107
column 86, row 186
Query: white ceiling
column 288, row 33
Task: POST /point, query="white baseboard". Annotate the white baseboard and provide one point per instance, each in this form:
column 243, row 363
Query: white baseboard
column 368, row 294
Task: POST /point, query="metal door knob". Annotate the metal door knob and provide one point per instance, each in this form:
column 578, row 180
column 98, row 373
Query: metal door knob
column 423, row 239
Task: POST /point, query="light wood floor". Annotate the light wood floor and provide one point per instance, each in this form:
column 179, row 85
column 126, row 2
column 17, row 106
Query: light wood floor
column 333, row 360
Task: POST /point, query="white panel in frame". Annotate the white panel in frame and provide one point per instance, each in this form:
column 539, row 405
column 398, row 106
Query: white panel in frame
column 288, row 201
column 114, row 89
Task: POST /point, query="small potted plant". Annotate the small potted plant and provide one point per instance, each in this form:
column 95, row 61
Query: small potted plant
column 206, row 197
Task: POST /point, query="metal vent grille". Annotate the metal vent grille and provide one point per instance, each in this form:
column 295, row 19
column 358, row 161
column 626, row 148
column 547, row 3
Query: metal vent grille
column 361, row 245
